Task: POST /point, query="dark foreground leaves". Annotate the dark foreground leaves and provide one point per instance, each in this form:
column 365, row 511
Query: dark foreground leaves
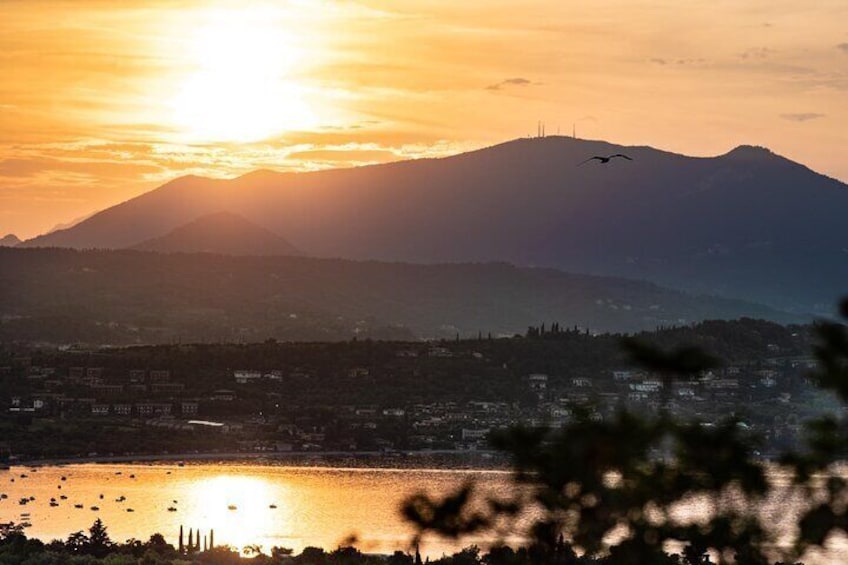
column 610, row 488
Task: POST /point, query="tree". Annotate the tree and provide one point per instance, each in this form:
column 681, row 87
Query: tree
column 253, row 549
column 279, row 552
column 620, row 480
column 76, row 542
column 99, row 544
column 400, row 558
column 311, row 556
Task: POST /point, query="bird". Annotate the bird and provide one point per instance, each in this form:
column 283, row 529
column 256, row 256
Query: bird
column 605, row 160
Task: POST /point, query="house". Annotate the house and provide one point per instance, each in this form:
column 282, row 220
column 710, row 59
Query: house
column 622, row 376
column 480, row 433
column 146, row 409
column 537, row 381
column 723, row 384
column 686, row 392
column 160, row 376
column 104, row 390
column 647, row 386
column 189, row 407
column 245, row 376
column 167, row 388
column 138, row 375
column 223, row 395
column 438, row 351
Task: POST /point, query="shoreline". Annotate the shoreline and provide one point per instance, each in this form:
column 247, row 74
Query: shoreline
column 489, row 457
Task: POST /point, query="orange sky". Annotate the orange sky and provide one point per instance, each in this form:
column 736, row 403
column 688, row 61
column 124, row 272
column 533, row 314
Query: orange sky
column 100, row 101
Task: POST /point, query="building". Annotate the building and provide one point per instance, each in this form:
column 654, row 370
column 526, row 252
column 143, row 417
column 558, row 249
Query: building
column 153, row 409
column 244, row 377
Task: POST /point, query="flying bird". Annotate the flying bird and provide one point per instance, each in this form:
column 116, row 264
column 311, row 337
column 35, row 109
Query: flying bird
column 605, row 160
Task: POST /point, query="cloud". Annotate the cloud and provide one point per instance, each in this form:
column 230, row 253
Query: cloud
column 671, row 61
column 843, row 47
column 802, row 116
column 517, row 81
column 757, row 53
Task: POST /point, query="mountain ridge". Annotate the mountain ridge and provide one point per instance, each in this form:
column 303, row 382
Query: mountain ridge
column 749, row 224
column 220, row 232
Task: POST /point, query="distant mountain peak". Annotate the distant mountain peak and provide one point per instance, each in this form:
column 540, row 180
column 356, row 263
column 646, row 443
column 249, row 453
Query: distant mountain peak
column 750, row 152
column 220, row 232
column 10, row 240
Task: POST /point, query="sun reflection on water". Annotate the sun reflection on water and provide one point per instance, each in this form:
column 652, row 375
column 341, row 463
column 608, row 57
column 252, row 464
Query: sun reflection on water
column 237, row 508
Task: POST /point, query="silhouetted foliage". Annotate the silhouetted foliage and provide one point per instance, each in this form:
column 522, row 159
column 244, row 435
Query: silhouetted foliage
column 610, row 487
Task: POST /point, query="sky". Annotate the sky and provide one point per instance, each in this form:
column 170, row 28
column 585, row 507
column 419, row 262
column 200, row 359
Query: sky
column 101, row 101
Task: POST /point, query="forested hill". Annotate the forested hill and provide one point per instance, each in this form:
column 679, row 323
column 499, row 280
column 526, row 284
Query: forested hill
column 122, row 297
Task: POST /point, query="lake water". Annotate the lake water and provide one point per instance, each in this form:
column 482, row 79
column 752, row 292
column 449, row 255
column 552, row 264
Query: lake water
column 314, row 505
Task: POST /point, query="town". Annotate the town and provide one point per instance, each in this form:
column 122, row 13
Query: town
column 386, row 397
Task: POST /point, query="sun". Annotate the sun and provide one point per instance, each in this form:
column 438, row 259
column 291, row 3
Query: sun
column 238, row 84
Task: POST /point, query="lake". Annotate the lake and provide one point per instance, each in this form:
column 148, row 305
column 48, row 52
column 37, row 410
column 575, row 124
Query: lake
column 315, row 506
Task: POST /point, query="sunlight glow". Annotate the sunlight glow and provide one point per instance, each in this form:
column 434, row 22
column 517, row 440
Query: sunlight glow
column 236, row 507
column 239, row 85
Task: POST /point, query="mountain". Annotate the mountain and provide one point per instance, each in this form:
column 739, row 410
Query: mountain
column 221, row 232
column 10, row 240
column 71, row 223
column 747, row 224
column 63, row 295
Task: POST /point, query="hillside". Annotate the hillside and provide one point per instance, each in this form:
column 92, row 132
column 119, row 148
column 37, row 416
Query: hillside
column 10, row 240
column 60, row 295
column 221, row 232
column 747, row 224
